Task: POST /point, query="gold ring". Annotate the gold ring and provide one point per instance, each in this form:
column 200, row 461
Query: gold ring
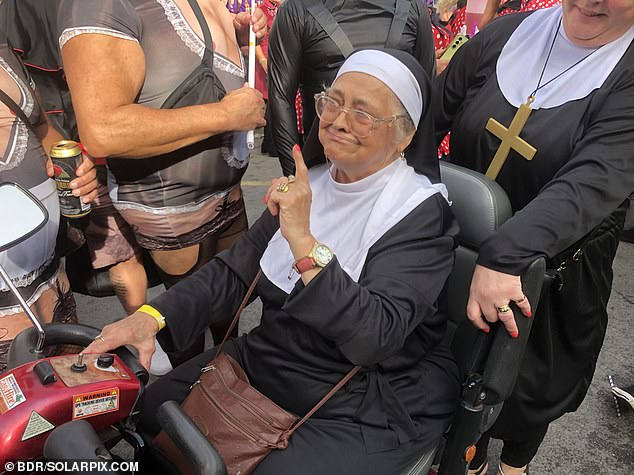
column 504, row 309
column 282, row 187
column 99, row 337
column 291, row 178
column 520, row 300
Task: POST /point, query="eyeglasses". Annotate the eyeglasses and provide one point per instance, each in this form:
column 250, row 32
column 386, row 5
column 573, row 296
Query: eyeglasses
column 361, row 123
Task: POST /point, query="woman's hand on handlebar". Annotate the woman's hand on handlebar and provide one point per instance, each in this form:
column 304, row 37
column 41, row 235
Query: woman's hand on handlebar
column 490, row 294
column 137, row 330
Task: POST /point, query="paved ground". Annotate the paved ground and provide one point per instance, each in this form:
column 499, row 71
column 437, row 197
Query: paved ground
column 591, row 441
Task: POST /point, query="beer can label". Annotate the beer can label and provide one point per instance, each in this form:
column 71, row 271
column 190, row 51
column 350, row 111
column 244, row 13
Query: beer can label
column 70, row 206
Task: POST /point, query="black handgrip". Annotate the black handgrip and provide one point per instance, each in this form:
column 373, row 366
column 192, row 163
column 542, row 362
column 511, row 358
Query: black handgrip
column 203, row 457
column 506, row 355
column 21, row 349
column 86, row 445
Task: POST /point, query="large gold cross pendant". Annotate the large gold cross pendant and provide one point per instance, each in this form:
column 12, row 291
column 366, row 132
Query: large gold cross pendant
column 510, row 139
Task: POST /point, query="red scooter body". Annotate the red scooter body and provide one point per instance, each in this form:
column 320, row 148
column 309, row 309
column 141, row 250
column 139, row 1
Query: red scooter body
column 35, row 401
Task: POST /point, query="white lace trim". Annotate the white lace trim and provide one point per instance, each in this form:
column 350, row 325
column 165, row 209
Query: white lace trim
column 234, row 150
column 28, row 278
column 70, row 33
column 232, row 160
column 223, row 64
column 195, row 44
column 19, row 141
column 182, row 28
column 43, row 287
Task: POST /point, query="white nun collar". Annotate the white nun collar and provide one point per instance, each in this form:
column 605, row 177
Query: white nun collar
column 350, row 218
column 522, row 60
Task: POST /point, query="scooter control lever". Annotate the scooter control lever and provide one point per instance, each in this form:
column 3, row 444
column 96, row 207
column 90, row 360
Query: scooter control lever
column 79, row 366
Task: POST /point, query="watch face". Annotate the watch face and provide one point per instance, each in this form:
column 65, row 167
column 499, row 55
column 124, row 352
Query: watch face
column 322, row 255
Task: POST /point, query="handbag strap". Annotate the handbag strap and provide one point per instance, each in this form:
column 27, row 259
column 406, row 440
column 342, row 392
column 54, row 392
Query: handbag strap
column 243, row 304
column 10, row 103
column 208, row 55
column 323, row 400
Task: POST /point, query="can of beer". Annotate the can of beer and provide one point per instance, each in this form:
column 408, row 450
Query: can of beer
column 66, row 157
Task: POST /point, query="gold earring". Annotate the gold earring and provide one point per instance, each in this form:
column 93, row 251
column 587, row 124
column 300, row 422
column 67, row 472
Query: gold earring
column 401, row 155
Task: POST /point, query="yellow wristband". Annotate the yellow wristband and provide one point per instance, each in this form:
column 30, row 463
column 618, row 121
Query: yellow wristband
column 154, row 313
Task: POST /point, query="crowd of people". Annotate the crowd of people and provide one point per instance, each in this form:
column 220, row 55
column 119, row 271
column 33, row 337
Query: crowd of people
column 357, row 239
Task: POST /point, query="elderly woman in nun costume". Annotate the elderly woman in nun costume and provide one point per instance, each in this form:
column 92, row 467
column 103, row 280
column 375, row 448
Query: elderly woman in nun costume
column 355, row 253
column 542, row 102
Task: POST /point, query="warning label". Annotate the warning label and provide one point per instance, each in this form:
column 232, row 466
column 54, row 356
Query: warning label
column 37, row 425
column 95, row 403
column 11, row 394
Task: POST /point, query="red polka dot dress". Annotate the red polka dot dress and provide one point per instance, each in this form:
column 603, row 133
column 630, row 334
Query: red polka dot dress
column 531, row 5
column 458, row 21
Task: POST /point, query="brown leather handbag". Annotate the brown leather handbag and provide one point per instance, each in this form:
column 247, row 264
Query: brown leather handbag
column 239, row 421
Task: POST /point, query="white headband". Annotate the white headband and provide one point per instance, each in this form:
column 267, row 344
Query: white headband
column 391, row 72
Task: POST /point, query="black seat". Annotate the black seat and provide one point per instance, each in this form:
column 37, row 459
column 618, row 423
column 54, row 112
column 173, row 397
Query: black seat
column 488, row 363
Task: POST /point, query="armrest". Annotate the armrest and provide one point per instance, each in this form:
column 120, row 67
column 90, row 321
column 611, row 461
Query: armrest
column 506, row 354
column 203, row 457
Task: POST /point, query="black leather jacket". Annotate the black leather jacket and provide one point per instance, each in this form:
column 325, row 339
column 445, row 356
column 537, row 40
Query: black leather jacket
column 301, row 54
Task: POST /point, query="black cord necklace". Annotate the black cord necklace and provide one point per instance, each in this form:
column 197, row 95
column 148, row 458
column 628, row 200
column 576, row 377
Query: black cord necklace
column 541, row 76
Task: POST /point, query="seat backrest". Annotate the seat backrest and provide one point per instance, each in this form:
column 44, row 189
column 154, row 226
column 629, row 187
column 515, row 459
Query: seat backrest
column 480, row 206
column 490, row 363
column 479, row 203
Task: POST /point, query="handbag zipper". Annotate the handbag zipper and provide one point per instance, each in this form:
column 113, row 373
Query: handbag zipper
column 254, row 409
column 229, row 418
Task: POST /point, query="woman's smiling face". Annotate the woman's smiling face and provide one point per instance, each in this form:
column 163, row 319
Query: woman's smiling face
column 591, row 23
column 355, row 156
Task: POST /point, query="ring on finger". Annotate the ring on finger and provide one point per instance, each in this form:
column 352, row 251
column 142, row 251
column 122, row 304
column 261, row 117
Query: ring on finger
column 520, row 300
column 282, row 187
column 99, row 337
column 291, row 178
column 504, row 309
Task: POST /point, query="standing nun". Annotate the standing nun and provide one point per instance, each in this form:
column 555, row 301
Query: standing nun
column 542, row 103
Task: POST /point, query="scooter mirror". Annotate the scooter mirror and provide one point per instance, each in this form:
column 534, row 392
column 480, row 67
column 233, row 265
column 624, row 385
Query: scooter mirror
column 21, row 215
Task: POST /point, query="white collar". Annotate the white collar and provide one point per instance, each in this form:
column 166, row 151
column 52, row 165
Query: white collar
column 522, row 60
column 350, row 218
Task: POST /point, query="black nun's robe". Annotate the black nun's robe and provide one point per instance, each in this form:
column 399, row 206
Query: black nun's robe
column 391, row 322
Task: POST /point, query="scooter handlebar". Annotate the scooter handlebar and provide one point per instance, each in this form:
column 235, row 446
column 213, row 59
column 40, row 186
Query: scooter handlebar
column 86, row 446
column 22, row 347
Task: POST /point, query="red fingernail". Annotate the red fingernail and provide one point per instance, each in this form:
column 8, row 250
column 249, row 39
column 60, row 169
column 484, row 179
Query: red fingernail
column 264, row 199
column 296, row 148
column 515, row 334
column 529, row 314
column 486, row 330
